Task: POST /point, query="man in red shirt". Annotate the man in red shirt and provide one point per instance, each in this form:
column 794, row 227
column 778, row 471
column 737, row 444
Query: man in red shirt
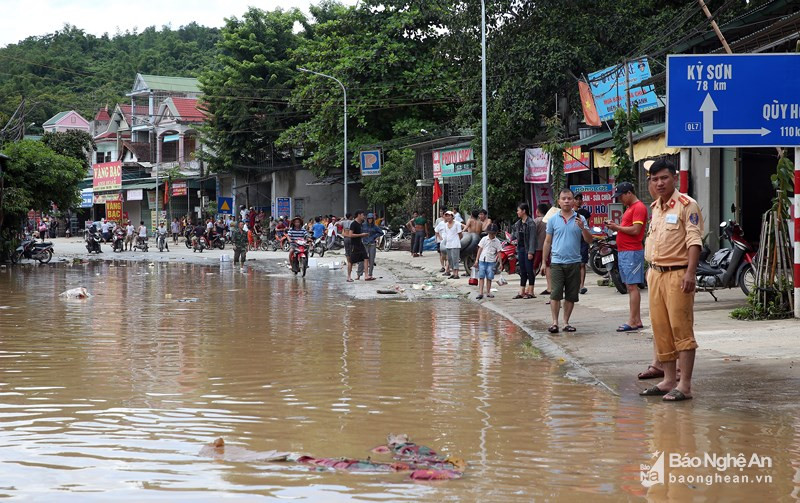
column 630, row 234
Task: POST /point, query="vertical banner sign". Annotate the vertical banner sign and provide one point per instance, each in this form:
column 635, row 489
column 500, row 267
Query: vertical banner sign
column 370, row 162
column 537, row 166
column 596, row 198
column 179, row 188
column 541, row 193
column 114, row 211
column 284, row 205
column 609, row 88
column 107, row 176
column 575, row 160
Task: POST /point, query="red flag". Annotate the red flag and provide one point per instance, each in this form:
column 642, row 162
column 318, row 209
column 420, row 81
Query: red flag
column 437, row 190
column 590, row 115
column 166, row 192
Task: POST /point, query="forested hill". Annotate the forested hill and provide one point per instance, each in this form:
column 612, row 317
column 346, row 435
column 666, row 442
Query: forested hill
column 71, row 69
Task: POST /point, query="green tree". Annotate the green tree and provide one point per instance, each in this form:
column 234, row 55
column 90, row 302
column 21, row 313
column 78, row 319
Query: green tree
column 36, row 177
column 247, row 92
column 625, row 124
column 72, row 143
column 387, row 55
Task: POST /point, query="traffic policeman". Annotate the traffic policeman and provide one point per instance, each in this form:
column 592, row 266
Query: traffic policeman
column 673, row 251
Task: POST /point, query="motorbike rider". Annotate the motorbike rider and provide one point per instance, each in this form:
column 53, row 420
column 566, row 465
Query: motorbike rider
column 95, row 237
column 295, row 233
column 162, row 232
column 197, row 234
column 142, row 233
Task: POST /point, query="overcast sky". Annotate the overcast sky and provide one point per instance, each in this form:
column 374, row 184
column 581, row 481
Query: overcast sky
column 20, row 19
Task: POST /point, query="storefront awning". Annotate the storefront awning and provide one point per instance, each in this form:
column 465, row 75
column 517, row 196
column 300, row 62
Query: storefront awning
column 647, row 131
column 654, row 146
column 141, row 185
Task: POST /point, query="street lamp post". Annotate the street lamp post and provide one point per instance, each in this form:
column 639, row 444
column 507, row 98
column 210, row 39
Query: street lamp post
column 484, row 175
column 344, row 91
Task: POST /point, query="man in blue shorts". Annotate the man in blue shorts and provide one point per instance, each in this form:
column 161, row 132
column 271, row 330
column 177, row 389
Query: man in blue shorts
column 630, row 233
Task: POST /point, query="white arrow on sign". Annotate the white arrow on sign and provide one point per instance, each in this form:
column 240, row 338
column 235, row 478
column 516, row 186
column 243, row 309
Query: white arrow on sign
column 708, row 108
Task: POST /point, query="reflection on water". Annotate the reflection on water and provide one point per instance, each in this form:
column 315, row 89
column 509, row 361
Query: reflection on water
column 106, row 397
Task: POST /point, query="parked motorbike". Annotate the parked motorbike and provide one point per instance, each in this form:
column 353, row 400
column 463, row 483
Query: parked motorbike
column 508, row 256
column 93, row 240
column 728, row 267
column 599, row 244
column 298, row 257
column 609, row 258
column 118, row 243
column 384, row 242
column 33, row 250
column 187, row 234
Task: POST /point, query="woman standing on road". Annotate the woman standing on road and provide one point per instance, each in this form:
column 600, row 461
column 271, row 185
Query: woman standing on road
column 524, row 232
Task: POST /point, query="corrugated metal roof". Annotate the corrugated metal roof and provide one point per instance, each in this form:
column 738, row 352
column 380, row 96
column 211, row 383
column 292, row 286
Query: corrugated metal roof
column 178, row 84
column 591, row 140
column 647, row 132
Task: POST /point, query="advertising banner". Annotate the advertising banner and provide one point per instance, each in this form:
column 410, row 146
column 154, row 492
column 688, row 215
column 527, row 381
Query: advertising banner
column 284, row 206
column 609, row 89
column 104, row 198
column 134, row 195
column 541, row 193
column 453, row 162
column 596, row 198
column 114, row 211
column 537, row 166
column 86, row 198
column 107, row 176
column 575, row 160
column 179, row 188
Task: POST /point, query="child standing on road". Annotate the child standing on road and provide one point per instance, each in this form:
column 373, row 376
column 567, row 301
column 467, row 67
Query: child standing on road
column 488, row 250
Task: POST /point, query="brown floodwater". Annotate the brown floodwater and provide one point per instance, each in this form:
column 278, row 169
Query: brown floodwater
column 112, row 398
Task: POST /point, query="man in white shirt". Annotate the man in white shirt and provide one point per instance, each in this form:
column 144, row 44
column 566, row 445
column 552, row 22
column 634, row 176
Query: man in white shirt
column 438, row 229
column 128, row 236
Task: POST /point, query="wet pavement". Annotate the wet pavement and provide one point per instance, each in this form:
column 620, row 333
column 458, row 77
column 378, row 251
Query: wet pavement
column 114, row 397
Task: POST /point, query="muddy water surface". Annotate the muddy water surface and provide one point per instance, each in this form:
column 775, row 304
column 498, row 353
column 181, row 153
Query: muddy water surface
column 113, row 397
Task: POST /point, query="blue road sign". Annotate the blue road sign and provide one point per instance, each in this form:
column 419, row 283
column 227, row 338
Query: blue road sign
column 225, row 205
column 609, row 86
column 370, row 162
column 733, row 100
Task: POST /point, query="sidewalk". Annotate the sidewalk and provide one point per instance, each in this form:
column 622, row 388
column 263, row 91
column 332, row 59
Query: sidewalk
column 742, row 363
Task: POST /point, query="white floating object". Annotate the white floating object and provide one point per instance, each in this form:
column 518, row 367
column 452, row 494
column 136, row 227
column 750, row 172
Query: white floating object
column 76, row 293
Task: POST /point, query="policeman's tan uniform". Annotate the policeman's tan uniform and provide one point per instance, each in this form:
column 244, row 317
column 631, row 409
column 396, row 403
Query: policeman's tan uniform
column 675, row 225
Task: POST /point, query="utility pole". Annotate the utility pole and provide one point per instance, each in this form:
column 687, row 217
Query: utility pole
column 484, row 147
column 714, row 27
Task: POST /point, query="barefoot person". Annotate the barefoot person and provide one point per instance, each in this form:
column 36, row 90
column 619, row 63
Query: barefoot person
column 630, row 233
column 673, row 250
column 565, row 231
column 486, row 260
column 524, row 231
column 358, row 253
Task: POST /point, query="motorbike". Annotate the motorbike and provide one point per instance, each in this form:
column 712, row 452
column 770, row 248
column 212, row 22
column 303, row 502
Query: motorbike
column 318, row 247
column 609, row 258
column 599, row 244
column 298, row 258
column 727, row 267
column 187, row 234
column 140, row 244
column 199, row 243
column 161, row 240
column 384, row 242
column 33, row 250
column 218, row 241
column 508, row 256
column 93, row 240
column 118, row 242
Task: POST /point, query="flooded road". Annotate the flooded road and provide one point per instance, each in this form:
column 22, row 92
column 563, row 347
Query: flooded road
column 114, row 397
